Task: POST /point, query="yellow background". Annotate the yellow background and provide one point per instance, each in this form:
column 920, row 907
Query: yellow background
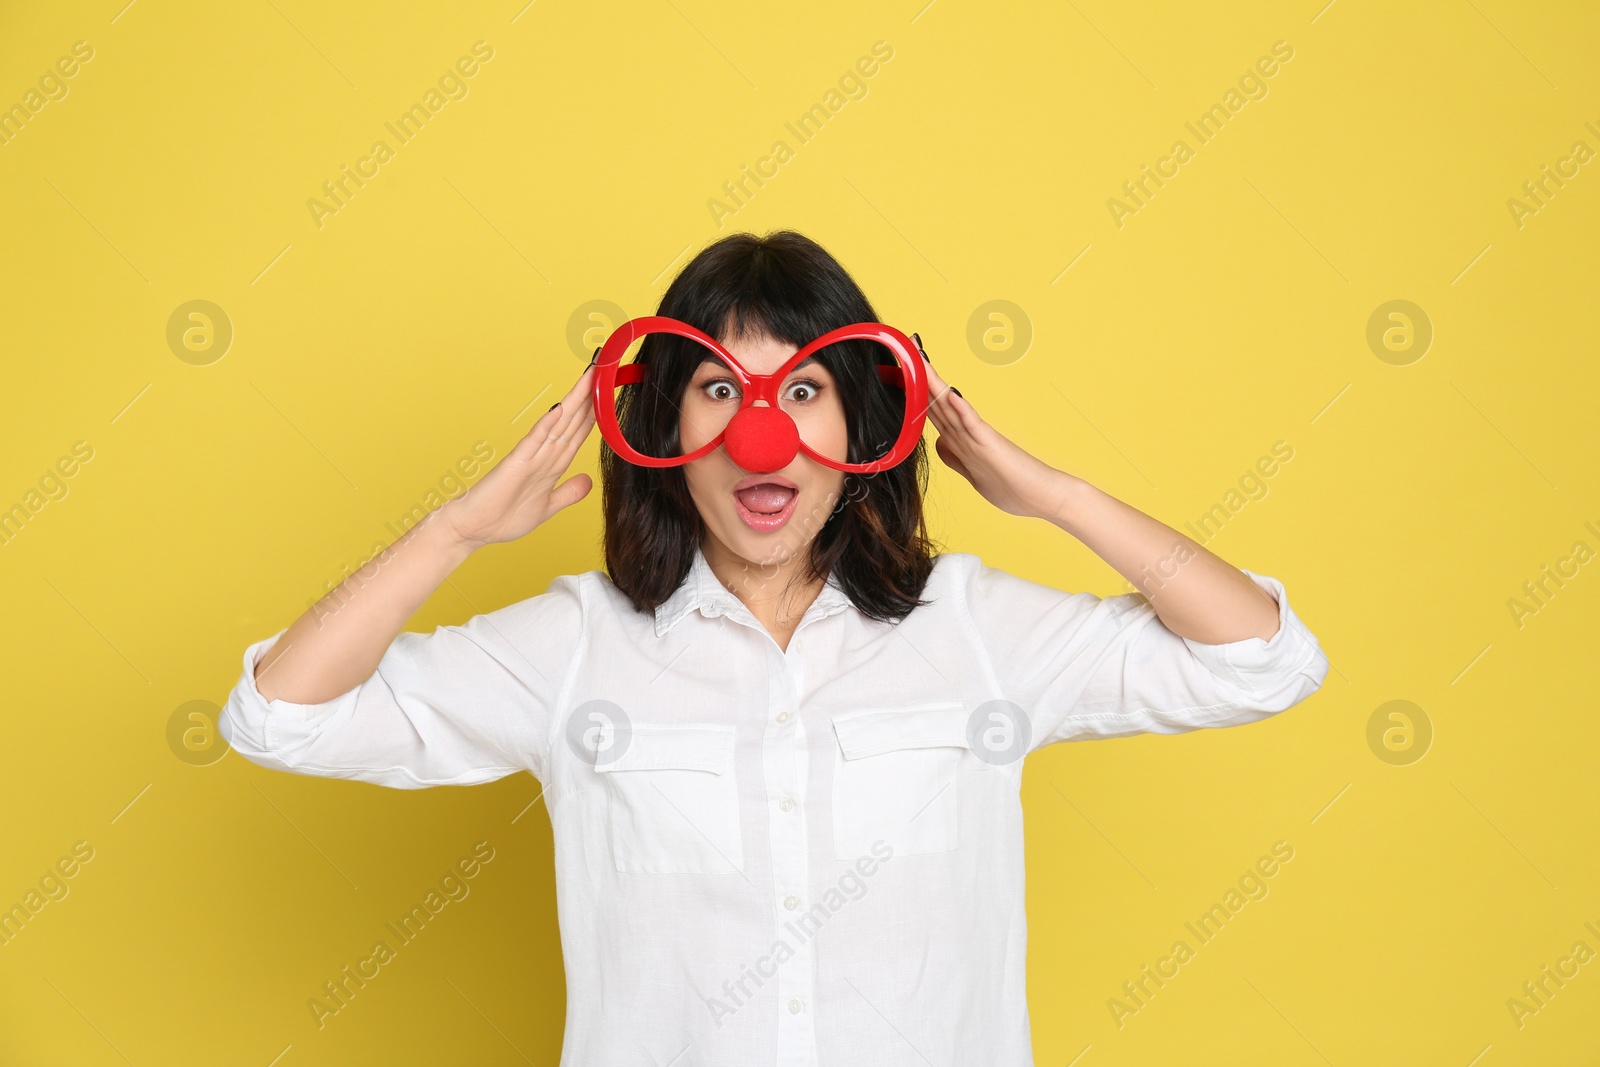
column 431, row 312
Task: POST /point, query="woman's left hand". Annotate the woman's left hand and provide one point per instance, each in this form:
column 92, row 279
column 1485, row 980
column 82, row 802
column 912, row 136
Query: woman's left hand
column 1006, row 476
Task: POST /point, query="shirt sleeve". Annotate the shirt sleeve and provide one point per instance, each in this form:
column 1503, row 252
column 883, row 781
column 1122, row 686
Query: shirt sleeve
column 462, row 705
column 1081, row 666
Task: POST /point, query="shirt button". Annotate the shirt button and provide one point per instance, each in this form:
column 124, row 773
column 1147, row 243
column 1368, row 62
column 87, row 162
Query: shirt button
column 795, row 1006
column 791, row 902
column 783, row 717
column 786, row 804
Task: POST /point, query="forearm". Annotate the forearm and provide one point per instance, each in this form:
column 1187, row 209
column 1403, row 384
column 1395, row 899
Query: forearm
column 1195, row 593
column 339, row 640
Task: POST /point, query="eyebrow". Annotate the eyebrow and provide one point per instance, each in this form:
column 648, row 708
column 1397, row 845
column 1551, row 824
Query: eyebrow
column 717, row 361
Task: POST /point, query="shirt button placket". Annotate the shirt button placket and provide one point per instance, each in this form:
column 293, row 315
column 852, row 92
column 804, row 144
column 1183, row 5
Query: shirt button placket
column 785, row 763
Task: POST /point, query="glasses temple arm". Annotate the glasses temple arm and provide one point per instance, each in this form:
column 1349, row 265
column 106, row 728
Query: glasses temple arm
column 631, row 373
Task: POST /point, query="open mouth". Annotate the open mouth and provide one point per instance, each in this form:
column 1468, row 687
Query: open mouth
column 765, row 503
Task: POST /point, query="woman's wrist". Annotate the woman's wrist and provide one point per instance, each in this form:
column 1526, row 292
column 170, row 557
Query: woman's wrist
column 1070, row 498
column 445, row 540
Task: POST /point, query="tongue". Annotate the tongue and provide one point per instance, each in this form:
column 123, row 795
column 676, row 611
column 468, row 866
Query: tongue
column 765, row 499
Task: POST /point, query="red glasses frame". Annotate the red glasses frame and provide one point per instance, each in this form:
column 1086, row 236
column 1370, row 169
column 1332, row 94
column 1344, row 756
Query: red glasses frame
column 610, row 373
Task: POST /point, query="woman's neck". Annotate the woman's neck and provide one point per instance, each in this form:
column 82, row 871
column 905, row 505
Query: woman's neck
column 774, row 592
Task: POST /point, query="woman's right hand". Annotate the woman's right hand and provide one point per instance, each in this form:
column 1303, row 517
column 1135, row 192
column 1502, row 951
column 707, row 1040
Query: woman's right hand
column 520, row 492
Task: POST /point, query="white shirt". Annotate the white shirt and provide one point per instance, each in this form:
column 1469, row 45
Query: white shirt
column 770, row 857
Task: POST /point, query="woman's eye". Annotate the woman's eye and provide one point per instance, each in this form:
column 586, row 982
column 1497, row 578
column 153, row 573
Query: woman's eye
column 721, row 389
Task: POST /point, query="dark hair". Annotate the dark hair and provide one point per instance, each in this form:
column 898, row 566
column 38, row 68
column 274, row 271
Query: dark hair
column 786, row 286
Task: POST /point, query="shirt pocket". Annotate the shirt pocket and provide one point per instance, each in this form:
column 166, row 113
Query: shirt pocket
column 672, row 801
column 894, row 778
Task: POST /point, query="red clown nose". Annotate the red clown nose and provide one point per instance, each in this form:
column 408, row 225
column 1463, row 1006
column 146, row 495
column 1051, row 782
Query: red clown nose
column 762, row 439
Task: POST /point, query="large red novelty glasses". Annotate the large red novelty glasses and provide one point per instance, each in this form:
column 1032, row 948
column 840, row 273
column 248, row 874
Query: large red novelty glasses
column 765, row 438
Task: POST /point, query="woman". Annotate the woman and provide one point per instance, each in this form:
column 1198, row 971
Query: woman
column 780, row 741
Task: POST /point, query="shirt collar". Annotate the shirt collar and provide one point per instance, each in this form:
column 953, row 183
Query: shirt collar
column 702, row 590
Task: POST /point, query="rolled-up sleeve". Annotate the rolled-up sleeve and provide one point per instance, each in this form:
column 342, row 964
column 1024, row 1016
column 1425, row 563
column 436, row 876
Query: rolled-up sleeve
column 459, row 706
column 1082, row 666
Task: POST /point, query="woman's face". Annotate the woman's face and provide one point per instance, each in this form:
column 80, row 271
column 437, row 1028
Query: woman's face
column 768, row 517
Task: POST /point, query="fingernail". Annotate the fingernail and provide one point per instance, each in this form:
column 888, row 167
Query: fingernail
column 553, row 406
column 595, row 356
column 956, row 391
column 918, row 339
